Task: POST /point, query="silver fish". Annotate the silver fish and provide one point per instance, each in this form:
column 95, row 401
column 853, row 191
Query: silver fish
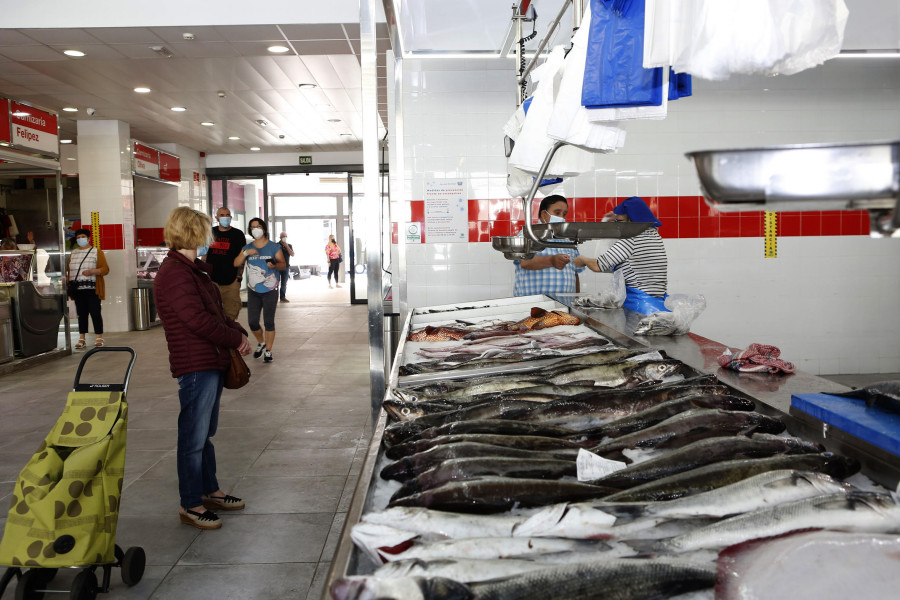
column 464, row 570
column 853, row 511
column 404, row 588
column 622, row 579
column 526, row 442
column 494, row 548
column 438, row 524
column 621, row 374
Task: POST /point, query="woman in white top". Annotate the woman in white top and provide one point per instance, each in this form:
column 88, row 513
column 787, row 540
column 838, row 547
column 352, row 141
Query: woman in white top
column 87, row 266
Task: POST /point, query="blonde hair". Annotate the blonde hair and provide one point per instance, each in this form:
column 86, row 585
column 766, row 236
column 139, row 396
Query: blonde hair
column 187, row 228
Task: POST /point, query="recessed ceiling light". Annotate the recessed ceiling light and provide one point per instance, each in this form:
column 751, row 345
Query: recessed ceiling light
column 187, row 36
column 207, row 123
column 334, row 120
column 306, row 85
column 262, row 122
column 233, row 137
column 254, row 148
column 65, row 141
column 73, row 52
column 278, row 49
column 70, row 158
column 70, row 109
column 142, row 90
column 346, row 135
column 178, row 109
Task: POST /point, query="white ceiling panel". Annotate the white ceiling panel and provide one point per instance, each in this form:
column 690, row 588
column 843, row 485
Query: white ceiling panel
column 203, row 49
column 29, row 53
column 62, row 36
column 313, row 47
column 314, row 31
column 251, row 33
column 348, row 70
column 322, row 71
column 176, row 34
column 95, row 51
column 123, row 35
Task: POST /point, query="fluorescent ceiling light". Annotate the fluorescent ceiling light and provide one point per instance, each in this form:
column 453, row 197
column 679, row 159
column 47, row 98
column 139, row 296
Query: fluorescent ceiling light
column 73, row 52
column 306, row 85
column 178, row 109
column 869, row 54
column 278, row 49
column 142, row 90
column 70, row 109
column 233, row 137
column 65, row 141
column 334, row 120
column 254, row 148
column 207, row 123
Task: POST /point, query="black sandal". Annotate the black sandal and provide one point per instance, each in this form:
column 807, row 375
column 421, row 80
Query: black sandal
column 226, row 502
column 205, row 520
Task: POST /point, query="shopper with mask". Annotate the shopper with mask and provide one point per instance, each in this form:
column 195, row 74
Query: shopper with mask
column 87, row 267
column 264, row 260
column 198, row 335
column 225, row 247
column 552, row 270
column 287, row 251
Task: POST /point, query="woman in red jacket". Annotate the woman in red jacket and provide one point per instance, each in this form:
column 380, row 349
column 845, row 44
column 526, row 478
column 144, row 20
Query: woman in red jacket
column 198, row 335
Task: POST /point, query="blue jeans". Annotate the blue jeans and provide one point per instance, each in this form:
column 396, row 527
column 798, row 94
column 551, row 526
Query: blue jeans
column 284, row 276
column 199, row 393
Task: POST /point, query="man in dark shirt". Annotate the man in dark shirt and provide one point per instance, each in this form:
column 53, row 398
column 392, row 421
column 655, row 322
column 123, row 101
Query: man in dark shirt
column 227, row 244
column 288, row 251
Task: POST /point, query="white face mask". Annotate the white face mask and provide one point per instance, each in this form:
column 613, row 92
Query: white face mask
column 256, row 232
column 82, row 242
column 284, row 239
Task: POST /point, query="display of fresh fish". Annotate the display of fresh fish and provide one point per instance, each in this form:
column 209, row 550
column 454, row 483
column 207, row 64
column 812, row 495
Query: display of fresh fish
column 437, row 334
column 858, row 565
column 439, row 524
column 854, row 511
column 410, row 466
column 494, row 548
column 622, row 579
column 705, row 452
column 884, row 395
column 526, row 442
column 620, row 374
column 399, row 432
column 469, row 468
column 464, row 570
column 669, row 408
column 716, row 475
column 366, row 587
column 690, row 426
column 541, row 319
column 758, row 491
column 496, row 494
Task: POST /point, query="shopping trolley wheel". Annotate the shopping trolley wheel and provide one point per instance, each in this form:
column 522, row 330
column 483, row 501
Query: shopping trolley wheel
column 133, row 565
column 29, row 582
column 85, row 586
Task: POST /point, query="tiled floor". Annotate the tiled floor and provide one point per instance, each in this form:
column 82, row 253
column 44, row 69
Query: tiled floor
column 290, row 443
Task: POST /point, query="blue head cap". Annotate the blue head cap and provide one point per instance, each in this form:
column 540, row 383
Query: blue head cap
column 637, row 211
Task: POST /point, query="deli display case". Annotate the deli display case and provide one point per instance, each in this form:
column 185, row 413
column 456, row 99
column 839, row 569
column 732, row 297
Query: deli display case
column 389, row 522
column 149, row 258
column 35, row 310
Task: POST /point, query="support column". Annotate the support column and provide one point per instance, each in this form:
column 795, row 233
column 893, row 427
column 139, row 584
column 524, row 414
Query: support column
column 107, row 187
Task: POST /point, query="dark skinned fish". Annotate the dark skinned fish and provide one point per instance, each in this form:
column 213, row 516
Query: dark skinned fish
column 884, row 395
column 498, row 494
column 468, row 468
column 410, row 466
column 400, row 432
column 716, row 475
column 670, row 408
column 690, row 426
column 620, row 374
column 705, row 452
column 526, row 442
column 619, row 579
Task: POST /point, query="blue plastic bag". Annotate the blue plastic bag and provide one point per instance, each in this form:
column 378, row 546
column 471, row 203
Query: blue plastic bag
column 614, row 75
column 679, row 85
column 642, row 302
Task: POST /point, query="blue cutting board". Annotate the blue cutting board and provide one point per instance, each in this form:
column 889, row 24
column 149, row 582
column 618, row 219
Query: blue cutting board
column 872, row 425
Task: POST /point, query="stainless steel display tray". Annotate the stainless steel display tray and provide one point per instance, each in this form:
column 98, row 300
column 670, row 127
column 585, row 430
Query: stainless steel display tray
column 801, row 177
column 580, row 232
column 516, row 247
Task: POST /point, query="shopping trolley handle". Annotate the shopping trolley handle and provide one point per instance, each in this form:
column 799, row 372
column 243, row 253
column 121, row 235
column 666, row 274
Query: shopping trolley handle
column 112, row 387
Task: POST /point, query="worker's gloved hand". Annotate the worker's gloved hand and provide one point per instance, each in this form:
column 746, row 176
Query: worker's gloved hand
column 560, row 260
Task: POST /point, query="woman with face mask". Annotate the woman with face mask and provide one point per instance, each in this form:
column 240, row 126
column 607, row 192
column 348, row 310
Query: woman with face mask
column 264, row 260
column 642, row 258
column 552, row 270
column 198, row 335
column 86, row 267
column 333, row 256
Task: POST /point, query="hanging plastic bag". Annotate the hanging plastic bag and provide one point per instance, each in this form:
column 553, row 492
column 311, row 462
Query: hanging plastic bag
column 611, row 297
column 684, row 310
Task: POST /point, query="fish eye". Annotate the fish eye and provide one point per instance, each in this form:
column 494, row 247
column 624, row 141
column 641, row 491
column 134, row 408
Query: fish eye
column 404, row 411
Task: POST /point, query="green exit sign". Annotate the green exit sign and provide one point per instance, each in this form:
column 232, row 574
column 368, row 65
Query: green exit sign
column 306, row 160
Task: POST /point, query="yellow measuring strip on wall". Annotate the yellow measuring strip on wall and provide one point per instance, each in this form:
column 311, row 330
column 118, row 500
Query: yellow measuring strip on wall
column 771, row 220
column 95, row 229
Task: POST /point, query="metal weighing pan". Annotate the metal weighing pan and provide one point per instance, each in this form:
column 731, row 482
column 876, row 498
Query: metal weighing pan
column 801, row 177
column 579, row 232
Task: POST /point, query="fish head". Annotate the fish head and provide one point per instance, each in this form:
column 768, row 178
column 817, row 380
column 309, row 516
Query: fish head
column 840, row 466
column 407, row 489
column 765, row 424
column 657, row 370
column 407, row 396
column 822, row 482
column 402, row 411
column 353, row 588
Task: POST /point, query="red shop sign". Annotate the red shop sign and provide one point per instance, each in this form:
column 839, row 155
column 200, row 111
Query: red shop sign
column 34, row 129
column 146, row 161
column 4, row 121
column 169, row 167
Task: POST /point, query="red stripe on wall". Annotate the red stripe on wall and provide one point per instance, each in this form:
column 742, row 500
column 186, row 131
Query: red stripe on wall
column 683, row 217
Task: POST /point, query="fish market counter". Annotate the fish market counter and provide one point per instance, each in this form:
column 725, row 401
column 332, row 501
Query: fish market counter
column 771, row 392
column 698, row 355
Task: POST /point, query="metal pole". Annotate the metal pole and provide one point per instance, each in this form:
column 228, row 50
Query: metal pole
column 62, row 257
column 372, row 199
column 517, row 19
column 577, row 13
column 543, row 43
column 529, row 232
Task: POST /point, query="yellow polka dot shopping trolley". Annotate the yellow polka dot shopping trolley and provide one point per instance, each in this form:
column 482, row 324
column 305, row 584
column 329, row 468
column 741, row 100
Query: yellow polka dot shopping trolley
column 65, row 505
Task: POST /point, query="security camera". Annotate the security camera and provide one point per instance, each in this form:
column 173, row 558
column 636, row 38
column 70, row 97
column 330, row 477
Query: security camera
column 91, row 112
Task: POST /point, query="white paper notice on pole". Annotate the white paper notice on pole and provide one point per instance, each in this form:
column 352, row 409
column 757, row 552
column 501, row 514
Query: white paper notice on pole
column 446, row 211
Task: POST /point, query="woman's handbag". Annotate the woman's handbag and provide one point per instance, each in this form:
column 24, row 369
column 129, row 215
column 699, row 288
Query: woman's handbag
column 238, row 373
column 72, row 285
column 340, row 258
